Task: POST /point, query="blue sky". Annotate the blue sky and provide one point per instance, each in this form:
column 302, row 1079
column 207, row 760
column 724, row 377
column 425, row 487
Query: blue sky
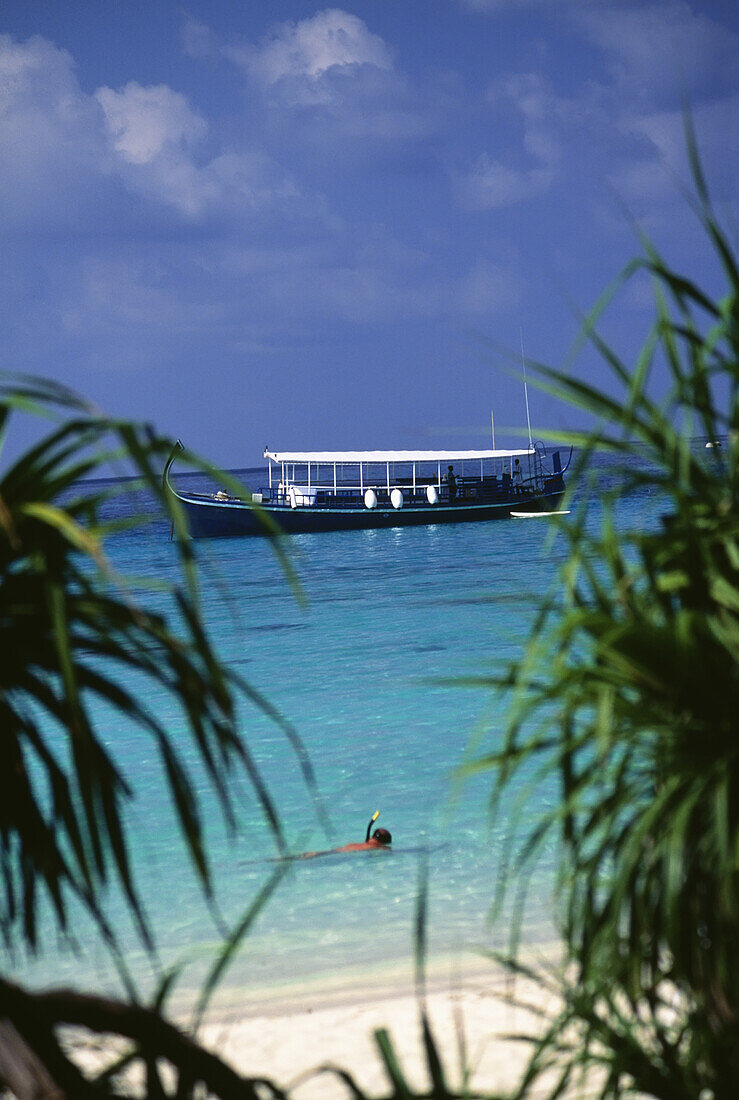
column 321, row 227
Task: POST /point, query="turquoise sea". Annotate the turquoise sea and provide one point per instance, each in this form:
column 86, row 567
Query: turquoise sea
column 357, row 669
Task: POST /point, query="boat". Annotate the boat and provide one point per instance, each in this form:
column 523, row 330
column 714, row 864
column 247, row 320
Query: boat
column 313, row 491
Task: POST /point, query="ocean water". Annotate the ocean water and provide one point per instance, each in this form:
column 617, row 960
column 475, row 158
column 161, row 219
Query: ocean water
column 361, row 669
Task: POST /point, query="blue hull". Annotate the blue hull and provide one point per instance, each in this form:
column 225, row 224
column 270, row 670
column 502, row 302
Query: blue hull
column 209, row 518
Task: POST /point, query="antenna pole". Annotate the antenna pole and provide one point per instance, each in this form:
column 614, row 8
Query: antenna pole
column 525, row 389
column 492, row 427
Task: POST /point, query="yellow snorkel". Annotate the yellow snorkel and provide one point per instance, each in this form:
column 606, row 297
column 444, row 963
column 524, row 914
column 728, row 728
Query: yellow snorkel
column 372, row 820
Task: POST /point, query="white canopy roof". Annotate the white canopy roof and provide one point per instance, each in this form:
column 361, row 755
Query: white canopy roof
column 339, row 457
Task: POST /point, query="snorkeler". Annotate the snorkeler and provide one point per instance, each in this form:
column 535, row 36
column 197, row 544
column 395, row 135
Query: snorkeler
column 381, row 838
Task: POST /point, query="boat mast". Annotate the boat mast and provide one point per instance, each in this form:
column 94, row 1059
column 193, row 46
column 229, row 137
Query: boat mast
column 492, row 432
column 525, row 389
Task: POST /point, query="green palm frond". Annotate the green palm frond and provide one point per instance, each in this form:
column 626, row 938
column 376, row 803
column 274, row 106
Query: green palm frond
column 629, row 695
column 72, row 634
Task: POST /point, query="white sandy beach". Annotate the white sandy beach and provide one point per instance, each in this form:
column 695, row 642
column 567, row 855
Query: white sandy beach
column 290, row 1040
column 286, row 1040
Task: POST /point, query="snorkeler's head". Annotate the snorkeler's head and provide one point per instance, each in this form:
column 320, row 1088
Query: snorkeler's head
column 382, row 836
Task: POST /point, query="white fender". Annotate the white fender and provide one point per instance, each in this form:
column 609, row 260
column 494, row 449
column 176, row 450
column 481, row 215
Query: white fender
column 396, row 498
column 370, row 499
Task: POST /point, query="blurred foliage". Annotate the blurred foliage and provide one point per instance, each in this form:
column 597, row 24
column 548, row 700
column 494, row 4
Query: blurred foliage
column 629, row 694
column 74, row 634
column 71, row 630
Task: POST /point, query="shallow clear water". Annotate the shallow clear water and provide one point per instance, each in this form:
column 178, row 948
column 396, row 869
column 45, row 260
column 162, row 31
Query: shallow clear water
column 356, row 671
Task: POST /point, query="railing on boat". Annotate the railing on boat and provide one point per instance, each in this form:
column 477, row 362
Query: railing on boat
column 468, row 491
column 337, row 478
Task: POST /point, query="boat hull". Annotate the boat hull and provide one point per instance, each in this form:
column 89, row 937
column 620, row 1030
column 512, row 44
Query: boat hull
column 209, row 518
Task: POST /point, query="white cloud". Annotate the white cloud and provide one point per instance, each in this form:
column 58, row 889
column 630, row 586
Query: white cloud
column 663, row 159
column 486, row 290
column 68, row 157
column 499, row 5
column 143, row 294
column 624, row 128
column 715, row 124
column 540, row 111
column 491, row 183
column 331, row 92
column 198, row 40
column 309, row 49
column 146, row 123
column 36, row 74
column 355, row 289
column 663, row 45
column 50, row 132
column 152, row 133
column 231, row 184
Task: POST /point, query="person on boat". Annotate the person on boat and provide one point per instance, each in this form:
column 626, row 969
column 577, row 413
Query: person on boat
column 517, row 477
column 380, row 839
column 451, row 484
